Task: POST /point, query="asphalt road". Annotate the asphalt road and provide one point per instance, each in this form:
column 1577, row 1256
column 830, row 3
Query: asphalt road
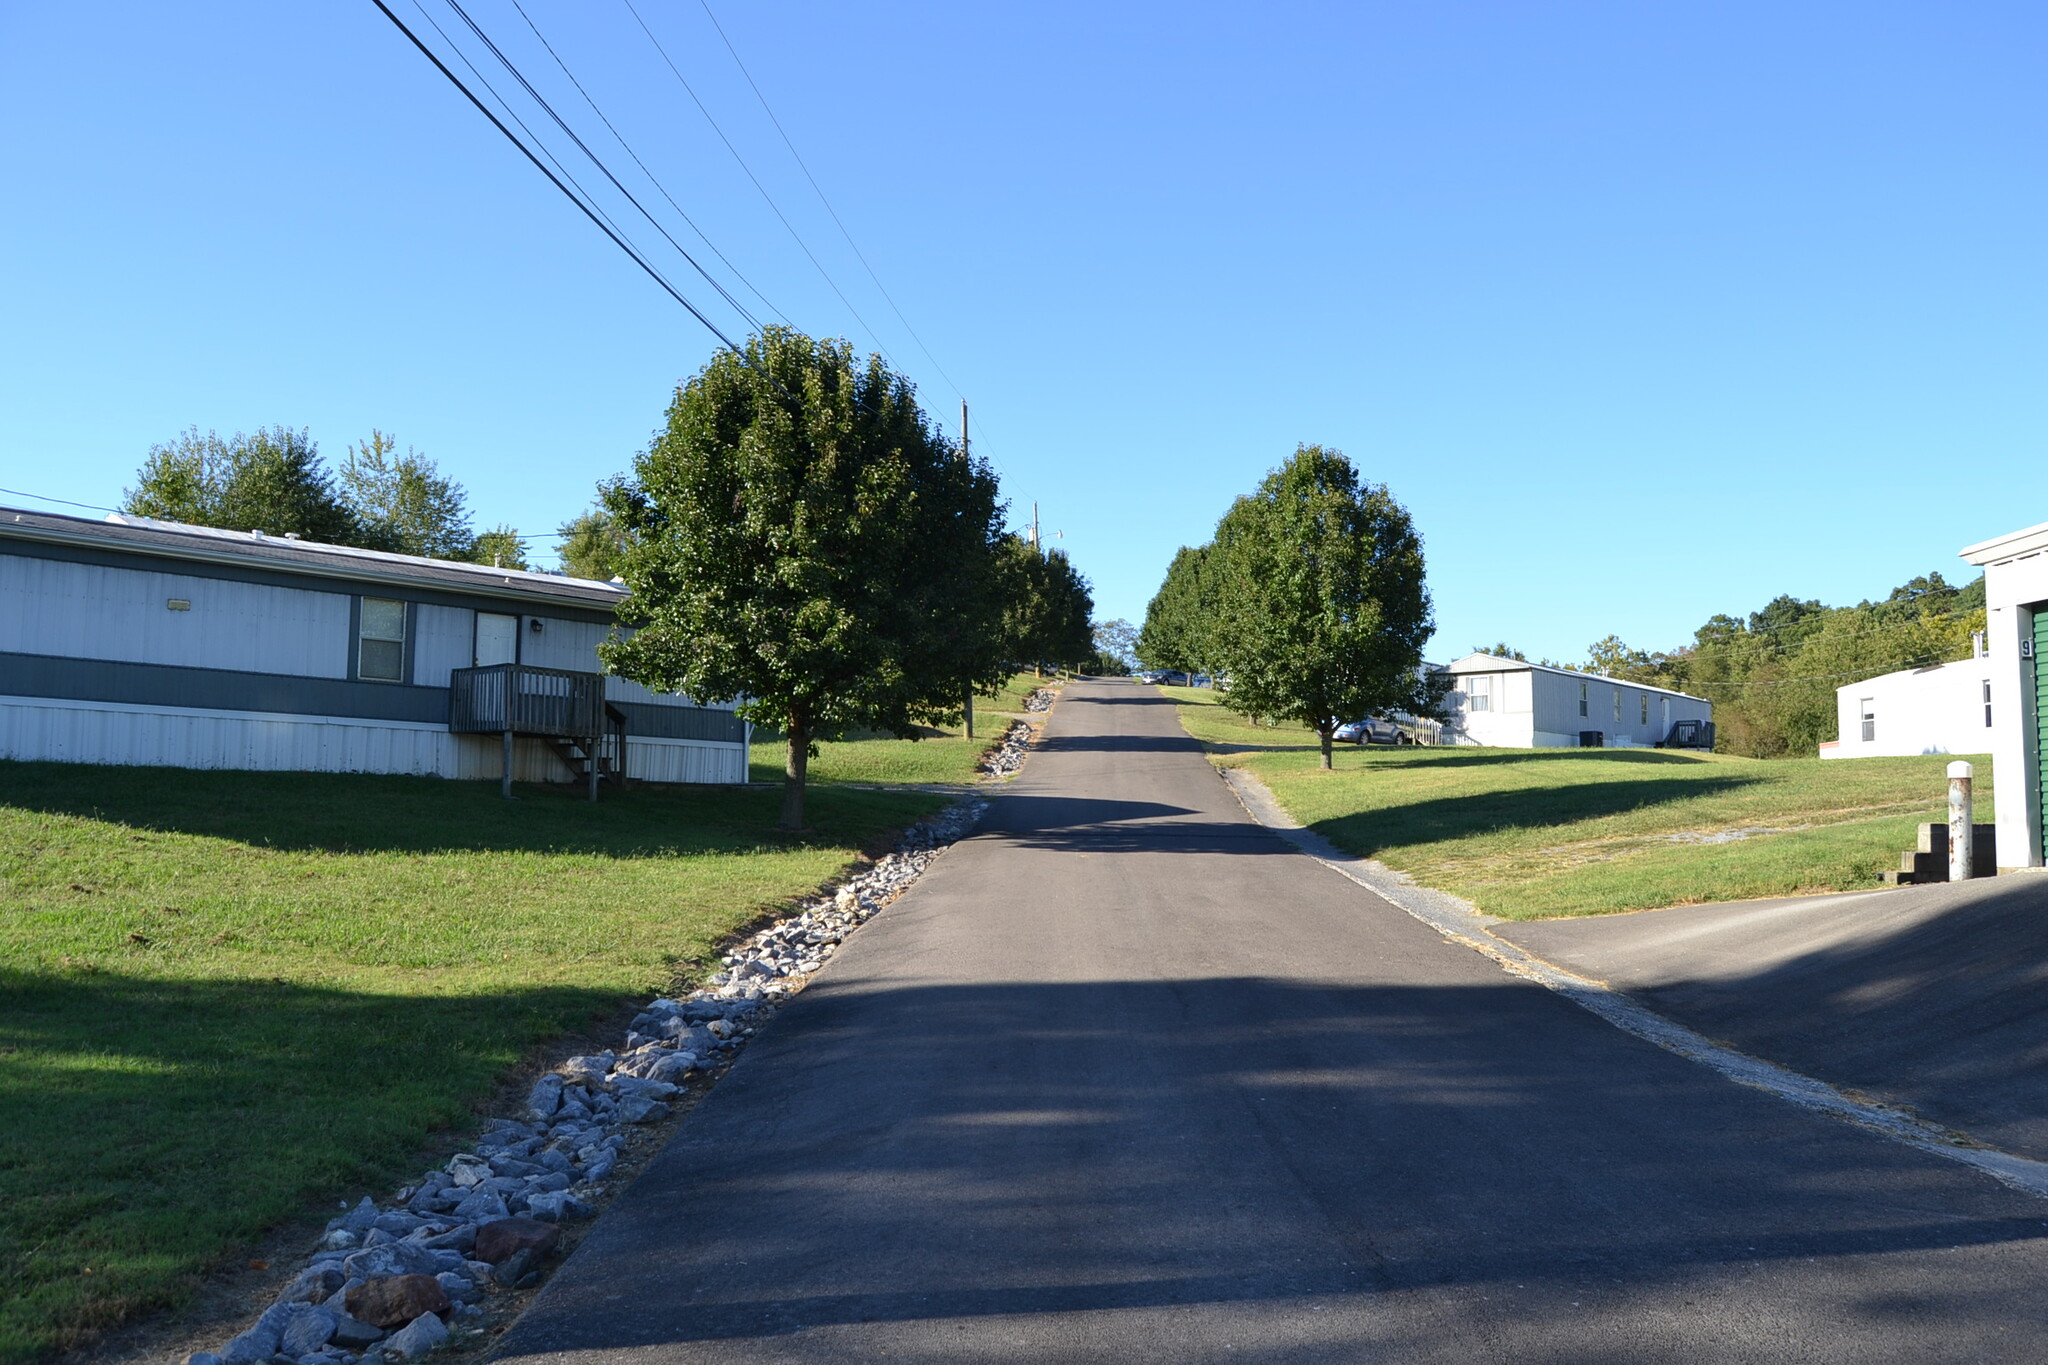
column 1929, row 997
column 1125, row 1078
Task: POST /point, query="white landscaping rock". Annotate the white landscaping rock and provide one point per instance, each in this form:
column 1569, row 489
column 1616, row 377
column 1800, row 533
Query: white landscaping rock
column 417, row 1337
column 573, row 1124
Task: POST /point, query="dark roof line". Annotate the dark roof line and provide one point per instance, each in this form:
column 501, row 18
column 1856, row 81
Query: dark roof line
column 206, row 544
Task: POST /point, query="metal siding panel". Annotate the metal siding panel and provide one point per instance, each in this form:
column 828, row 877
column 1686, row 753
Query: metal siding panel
column 211, row 689
column 445, row 640
column 98, row 612
column 562, row 644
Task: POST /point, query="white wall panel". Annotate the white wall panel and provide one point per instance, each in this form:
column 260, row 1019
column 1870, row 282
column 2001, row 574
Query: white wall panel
column 682, row 760
column 43, row 729
column 562, row 644
column 447, row 638
column 90, row 611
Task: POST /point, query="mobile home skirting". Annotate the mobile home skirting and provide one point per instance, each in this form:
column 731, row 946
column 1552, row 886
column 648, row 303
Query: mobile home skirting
column 66, row 731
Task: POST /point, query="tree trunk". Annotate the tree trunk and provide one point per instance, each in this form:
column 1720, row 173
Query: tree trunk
column 793, row 773
column 1324, row 735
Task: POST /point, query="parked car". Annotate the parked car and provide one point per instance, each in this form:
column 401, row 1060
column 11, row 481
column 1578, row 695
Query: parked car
column 1372, row 730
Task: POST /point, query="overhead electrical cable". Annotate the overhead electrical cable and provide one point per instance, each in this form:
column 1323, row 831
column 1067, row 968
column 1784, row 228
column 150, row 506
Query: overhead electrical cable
column 820, row 191
column 588, row 199
column 795, row 236
column 589, row 211
column 598, row 162
column 41, row 497
column 651, row 178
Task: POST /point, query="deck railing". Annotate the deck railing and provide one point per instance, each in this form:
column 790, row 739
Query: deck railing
column 525, row 700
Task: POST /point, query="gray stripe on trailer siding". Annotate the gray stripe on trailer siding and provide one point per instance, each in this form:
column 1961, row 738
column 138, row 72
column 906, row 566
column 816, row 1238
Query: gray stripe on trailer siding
column 216, row 689
column 681, row 722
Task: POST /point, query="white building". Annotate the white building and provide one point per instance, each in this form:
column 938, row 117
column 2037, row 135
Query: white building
column 133, row 641
column 1945, row 709
column 2016, row 601
column 1514, row 704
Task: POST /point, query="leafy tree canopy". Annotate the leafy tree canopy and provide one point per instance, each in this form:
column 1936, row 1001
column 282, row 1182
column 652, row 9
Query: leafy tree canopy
column 801, row 537
column 1179, row 630
column 1116, row 646
column 1324, row 611
column 272, row 481
column 1046, row 606
column 593, row 545
column 402, row 503
column 501, row 547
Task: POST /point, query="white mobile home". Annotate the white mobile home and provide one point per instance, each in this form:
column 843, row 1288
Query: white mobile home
column 132, row 641
column 1514, row 704
column 1945, row 709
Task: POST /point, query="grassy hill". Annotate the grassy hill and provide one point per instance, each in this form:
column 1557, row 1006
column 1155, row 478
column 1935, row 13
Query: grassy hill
column 231, row 998
column 1534, row 833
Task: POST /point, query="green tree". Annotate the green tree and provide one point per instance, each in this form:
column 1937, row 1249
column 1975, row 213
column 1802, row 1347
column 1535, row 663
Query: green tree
column 1180, row 621
column 1503, row 650
column 593, row 545
column 800, row 536
column 403, row 503
column 1324, row 609
column 1116, row 644
column 500, row 547
column 272, row 481
column 1046, row 607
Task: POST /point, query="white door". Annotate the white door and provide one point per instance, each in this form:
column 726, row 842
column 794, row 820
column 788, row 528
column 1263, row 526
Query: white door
column 497, row 639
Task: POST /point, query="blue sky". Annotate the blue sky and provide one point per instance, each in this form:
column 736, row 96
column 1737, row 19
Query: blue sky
column 1644, row 311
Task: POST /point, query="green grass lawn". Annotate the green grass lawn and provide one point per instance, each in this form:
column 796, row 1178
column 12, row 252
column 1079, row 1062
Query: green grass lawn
column 227, row 999
column 942, row 755
column 1536, row 833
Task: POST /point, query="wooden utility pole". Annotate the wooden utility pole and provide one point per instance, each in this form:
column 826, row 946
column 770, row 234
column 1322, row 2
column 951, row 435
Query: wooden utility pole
column 969, row 708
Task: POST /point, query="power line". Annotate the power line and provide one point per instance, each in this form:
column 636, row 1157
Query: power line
column 651, row 178
column 587, row 210
column 66, row 502
column 819, row 190
column 822, row 199
column 769, row 198
column 594, row 159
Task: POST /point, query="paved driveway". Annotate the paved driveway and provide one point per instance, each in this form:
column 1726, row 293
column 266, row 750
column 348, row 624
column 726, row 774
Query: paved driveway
column 1125, row 1078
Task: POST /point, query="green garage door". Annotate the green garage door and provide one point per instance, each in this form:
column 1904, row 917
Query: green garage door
column 2040, row 610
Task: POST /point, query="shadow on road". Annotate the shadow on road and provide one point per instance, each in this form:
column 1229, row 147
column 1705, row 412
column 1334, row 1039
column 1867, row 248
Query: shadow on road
column 1947, row 1013
column 1063, row 1148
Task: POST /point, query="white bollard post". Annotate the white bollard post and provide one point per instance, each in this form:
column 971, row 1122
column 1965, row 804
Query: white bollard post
column 1961, row 832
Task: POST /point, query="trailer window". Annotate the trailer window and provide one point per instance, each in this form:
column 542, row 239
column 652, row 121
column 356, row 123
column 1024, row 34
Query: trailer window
column 1868, row 708
column 1617, row 706
column 1582, row 699
column 1987, row 703
column 1646, row 708
column 380, row 642
column 1479, row 693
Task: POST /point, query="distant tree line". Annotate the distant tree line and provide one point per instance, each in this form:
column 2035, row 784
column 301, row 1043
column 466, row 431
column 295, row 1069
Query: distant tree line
column 1311, row 601
column 1772, row 675
column 274, row 480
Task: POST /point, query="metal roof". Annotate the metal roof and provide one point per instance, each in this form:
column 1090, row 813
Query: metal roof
column 1495, row 663
column 2011, row 545
column 282, row 554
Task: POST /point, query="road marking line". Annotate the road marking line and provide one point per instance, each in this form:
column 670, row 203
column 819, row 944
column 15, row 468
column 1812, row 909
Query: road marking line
column 1462, row 924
